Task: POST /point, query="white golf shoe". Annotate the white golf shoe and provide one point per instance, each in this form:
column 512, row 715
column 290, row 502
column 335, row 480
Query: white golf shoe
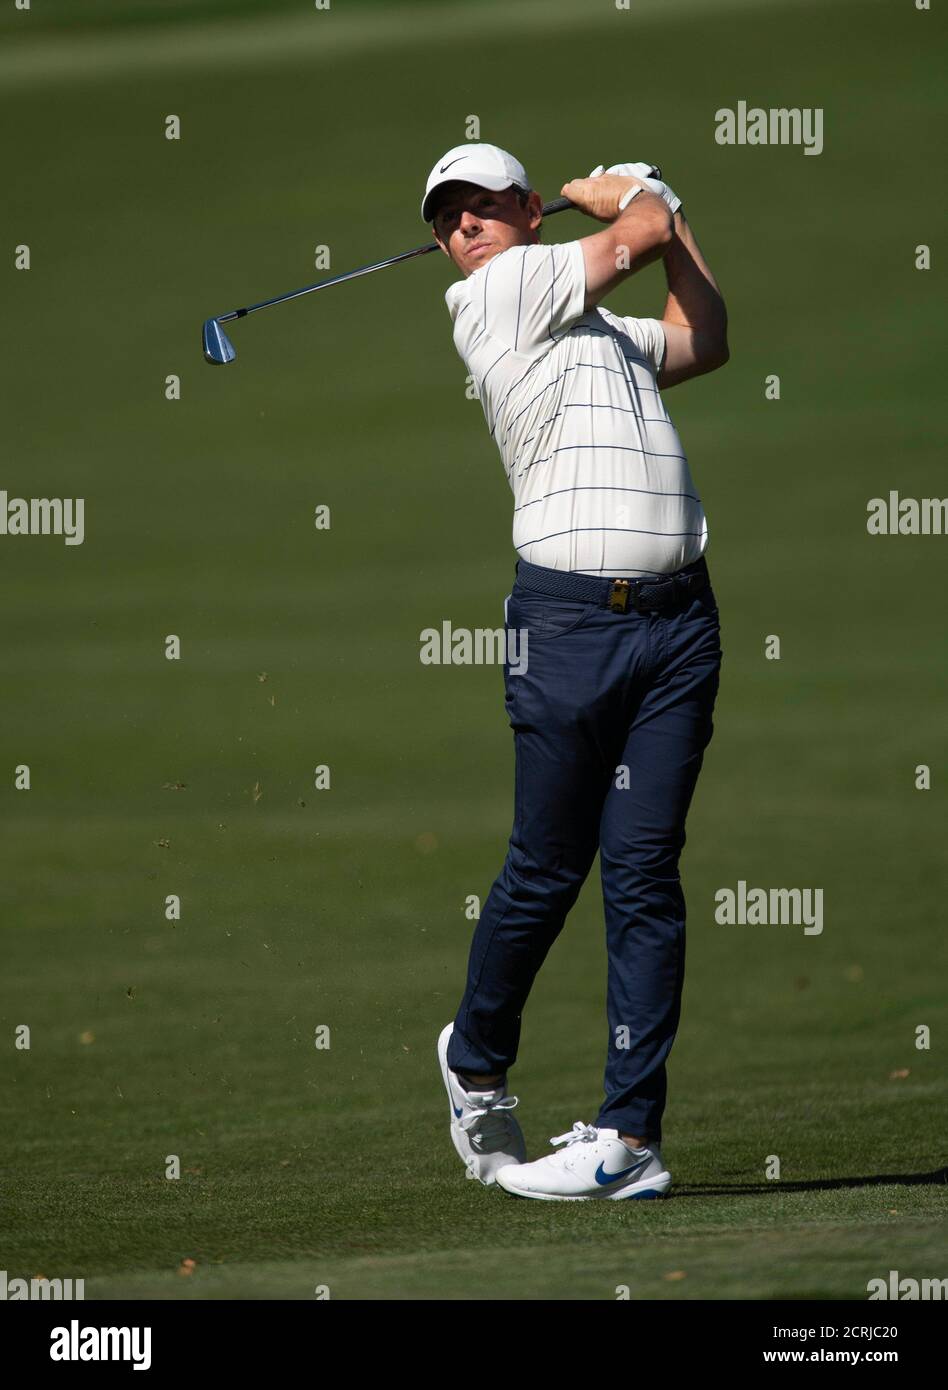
column 595, row 1164
column 483, row 1131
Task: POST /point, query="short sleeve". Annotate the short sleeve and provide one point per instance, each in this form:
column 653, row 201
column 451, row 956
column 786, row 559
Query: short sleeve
column 529, row 295
column 648, row 335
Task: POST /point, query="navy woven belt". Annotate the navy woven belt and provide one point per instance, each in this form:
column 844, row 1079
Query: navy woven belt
column 618, row 594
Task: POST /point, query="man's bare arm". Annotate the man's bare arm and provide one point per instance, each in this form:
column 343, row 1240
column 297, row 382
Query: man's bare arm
column 640, row 234
column 695, row 318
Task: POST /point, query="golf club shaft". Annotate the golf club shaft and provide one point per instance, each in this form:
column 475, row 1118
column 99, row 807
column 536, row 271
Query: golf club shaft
column 557, row 205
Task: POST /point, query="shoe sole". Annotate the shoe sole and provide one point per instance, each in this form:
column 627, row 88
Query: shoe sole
column 652, row 1189
column 443, row 1041
column 456, row 1134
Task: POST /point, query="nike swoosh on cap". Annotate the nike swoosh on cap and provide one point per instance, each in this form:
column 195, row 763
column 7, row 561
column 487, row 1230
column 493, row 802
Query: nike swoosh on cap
column 450, row 162
column 602, row 1177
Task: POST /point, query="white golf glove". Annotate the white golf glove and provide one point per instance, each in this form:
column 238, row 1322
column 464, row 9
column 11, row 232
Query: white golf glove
column 640, row 171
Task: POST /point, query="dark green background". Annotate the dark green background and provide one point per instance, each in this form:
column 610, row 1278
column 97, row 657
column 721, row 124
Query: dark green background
column 305, row 1167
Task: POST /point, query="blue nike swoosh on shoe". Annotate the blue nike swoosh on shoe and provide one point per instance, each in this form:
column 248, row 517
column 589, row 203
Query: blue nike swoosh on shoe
column 602, row 1177
column 457, row 1113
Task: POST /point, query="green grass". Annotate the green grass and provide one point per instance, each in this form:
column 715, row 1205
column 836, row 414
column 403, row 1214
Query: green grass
column 304, row 1167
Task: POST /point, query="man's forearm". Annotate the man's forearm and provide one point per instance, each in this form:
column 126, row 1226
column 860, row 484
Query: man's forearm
column 637, row 235
column 694, row 299
column 643, row 230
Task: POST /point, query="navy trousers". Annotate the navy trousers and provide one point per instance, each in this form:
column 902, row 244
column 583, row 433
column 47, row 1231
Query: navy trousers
column 611, row 718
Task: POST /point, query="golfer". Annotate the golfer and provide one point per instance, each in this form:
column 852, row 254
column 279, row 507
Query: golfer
column 612, row 709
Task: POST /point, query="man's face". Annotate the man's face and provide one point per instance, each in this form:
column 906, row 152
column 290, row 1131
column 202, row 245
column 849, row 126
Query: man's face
column 473, row 224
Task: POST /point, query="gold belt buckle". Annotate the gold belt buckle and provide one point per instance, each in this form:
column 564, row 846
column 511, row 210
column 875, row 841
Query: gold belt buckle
column 619, row 596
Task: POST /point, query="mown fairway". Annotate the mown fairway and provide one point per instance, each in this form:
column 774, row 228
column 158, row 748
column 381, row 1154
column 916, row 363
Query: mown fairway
column 345, row 907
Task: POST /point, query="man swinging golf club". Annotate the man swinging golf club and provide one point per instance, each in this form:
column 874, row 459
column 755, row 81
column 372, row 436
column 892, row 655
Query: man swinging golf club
column 613, row 711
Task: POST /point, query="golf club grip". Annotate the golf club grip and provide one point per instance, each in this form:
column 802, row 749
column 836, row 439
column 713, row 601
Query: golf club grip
column 561, row 204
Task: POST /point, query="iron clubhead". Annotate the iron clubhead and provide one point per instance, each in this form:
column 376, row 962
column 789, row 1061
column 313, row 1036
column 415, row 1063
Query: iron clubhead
column 218, row 348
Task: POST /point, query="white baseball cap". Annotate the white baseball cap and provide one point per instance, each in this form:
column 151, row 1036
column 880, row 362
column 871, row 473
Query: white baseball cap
column 486, row 165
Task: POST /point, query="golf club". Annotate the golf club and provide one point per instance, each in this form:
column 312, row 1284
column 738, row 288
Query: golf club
column 219, row 350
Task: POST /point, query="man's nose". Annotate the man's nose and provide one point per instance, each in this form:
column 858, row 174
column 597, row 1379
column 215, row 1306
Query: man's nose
column 469, row 221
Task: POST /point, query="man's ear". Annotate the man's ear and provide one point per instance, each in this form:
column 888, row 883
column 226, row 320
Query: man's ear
column 535, row 209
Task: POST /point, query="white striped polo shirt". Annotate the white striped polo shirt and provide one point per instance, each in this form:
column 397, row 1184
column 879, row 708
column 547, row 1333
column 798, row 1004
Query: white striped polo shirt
column 600, row 481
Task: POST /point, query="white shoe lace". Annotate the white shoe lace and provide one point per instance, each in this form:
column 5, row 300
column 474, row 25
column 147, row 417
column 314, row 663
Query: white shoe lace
column 579, row 1134
column 492, row 1126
